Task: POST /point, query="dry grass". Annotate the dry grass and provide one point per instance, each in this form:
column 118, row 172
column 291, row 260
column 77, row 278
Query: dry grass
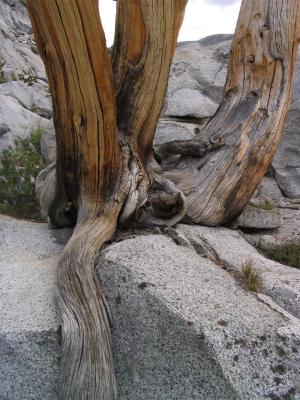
column 250, row 277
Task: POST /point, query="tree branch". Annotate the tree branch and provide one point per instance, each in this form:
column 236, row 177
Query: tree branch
column 250, row 118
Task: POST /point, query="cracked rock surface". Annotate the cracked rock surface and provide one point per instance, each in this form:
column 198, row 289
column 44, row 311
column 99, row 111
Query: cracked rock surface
column 184, row 329
column 228, row 248
column 29, row 329
column 182, row 326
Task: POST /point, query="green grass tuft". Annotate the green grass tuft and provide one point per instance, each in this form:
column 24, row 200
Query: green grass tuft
column 288, row 254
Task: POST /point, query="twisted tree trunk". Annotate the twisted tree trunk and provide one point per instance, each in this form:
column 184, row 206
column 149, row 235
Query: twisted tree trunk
column 219, row 170
column 105, row 116
column 91, row 184
column 100, row 169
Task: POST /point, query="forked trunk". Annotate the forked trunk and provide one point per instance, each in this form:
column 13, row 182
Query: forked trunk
column 100, row 169
column 105, row 118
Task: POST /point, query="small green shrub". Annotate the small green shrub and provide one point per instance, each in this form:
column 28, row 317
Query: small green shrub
column 250, row 277
column 288, row 254
column 19, row 167
column 266, row 205
column 2, row 77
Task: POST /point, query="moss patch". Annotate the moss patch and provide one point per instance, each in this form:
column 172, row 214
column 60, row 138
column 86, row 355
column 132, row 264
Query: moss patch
column 2, row 78
column 266, row 205
column 288, row 254
column 19, row 167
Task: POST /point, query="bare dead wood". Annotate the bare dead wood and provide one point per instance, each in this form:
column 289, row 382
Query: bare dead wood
column 145, row 41
column 141, row 68
column 249, row 120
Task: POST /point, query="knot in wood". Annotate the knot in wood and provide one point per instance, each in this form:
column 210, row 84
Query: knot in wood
column 251, row 59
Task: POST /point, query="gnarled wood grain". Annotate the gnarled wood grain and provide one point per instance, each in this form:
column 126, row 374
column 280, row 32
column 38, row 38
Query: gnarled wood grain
column 219, row 172
column 145, row 41
column 90, row 177
column 93, row 175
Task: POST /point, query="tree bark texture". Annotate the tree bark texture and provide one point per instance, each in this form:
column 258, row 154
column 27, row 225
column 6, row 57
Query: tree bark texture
column 100, row 171
column 142, row 54
column 220, row 169
column 89, row 176
column 105, row 116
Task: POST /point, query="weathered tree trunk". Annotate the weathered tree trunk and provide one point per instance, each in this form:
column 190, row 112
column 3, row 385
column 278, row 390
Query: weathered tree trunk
column 105, row 118
column 219, row 171
column 99, row 168
column 145, row 39
column 89, row 177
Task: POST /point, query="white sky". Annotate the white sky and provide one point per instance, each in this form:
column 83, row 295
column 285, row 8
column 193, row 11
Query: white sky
column 202, row 18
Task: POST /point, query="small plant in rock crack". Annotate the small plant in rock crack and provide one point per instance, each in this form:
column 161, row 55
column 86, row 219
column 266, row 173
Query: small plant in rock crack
column 250, row 277
column 19, row 167
column 2, row 77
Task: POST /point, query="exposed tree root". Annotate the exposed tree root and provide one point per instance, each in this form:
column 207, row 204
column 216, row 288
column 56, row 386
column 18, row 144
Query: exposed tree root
column 87, row 371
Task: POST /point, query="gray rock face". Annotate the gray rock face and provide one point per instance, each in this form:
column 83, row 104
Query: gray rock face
column 230, row 249
column 268, row 191
column 257, row 218
column 16, row 121
column 288, row 211
column 29, row 329
column 17, row 47
column 215, row 39
column 33, row 97
column 288, row 232
column 196, row 80
column 24, row 99
column 182, row 326
column 23, row 108
column 286, row 162
column 183, row 329
column 167, row 131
